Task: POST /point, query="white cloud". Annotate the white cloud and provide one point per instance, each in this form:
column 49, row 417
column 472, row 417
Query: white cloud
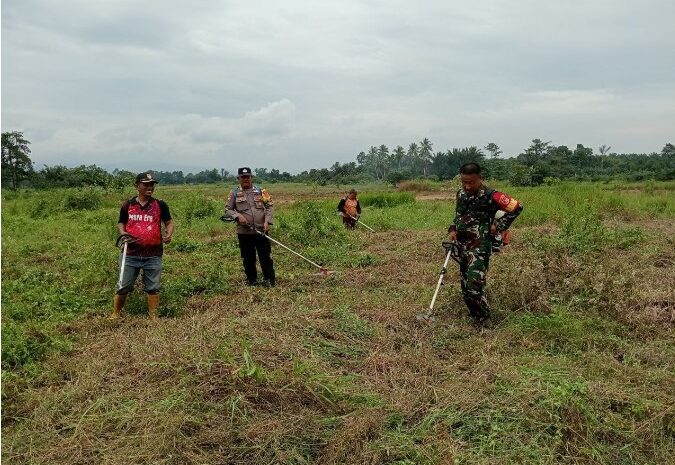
column 303, row 84
column 181, row 137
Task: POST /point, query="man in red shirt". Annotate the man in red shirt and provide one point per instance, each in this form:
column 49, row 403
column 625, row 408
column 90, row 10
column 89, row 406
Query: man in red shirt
column 141, row 217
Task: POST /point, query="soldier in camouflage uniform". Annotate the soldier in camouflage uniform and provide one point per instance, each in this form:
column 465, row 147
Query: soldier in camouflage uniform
column 475, row 228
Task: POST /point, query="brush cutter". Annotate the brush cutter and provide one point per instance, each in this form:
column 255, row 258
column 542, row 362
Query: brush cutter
column 123, row 240
column 324, row 271
column 452, row 250
column 358, row 221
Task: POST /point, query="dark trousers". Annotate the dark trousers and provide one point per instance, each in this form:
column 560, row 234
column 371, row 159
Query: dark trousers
column 350, row 223
column 248, row 244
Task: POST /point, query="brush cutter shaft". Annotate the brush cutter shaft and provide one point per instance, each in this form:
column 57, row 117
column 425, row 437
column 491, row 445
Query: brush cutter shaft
column 124, row 260
column 440, row 280
column 359, row 221
column 227, row 219
column 289, row 249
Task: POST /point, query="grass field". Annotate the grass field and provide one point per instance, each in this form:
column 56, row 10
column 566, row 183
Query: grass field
column 579, row 370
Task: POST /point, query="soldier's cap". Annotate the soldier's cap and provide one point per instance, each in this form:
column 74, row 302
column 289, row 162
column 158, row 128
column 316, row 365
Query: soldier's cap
column 145, row 178
column 245, row 171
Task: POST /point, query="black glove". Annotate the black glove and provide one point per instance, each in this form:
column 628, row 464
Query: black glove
column 125, row 239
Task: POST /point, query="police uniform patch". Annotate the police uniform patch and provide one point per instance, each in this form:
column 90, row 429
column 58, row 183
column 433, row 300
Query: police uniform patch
column 266, row 197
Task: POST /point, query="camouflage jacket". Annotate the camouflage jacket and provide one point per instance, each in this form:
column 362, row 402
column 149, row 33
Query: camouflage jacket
column 255, row 204
column 475, row 213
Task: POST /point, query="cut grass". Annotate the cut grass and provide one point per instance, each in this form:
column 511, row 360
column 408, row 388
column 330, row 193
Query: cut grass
column 578, row 370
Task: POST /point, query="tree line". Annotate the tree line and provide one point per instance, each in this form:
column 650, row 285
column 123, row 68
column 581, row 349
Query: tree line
column 538, row 163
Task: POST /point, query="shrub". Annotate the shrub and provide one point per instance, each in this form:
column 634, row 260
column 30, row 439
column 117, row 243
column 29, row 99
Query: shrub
column 24, row 345
column 87, row 198
column 184, row 245
column 310, row 223
column 386, row 200
column 195, row 206
column 586, row 233
column 395, row 177
column 551, row 181
column 44, row 205
column 418, row 186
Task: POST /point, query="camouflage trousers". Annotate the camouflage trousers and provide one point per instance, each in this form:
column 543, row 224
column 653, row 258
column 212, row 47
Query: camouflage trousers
column 473, row 270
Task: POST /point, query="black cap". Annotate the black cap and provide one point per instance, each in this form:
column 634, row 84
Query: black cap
column 145, row 177
column 245, row 170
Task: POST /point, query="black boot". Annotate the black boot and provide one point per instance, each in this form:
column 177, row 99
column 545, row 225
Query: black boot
column 485, row 322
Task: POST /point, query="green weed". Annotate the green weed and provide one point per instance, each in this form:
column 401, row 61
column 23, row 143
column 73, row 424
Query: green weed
column 386, row 200
column 586, row 233
column 337, row 370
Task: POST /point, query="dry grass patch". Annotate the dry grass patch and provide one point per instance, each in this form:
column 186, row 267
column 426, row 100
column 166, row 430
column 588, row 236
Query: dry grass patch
column 338, row 370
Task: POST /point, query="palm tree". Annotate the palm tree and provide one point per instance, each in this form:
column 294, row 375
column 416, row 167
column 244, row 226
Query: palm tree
column 397, row 156
column 604, row 150
column 372, row 160
column 362, row 159
column 382, row 160
column 426, row 151
column 413, row 153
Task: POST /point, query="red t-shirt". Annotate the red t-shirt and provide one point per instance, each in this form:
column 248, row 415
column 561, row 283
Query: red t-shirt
column 145, row 224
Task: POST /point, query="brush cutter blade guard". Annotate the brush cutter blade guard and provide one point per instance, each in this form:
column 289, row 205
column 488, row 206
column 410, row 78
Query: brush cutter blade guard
column 323, row 271
column 426, row 317
column 125, row 239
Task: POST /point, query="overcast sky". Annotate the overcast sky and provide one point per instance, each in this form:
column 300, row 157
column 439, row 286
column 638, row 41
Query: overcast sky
column 301, row 84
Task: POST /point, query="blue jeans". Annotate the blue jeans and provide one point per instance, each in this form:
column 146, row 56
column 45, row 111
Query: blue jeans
column 152, row 270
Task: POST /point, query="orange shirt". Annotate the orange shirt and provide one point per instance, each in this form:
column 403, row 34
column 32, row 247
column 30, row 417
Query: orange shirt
column 350, row 206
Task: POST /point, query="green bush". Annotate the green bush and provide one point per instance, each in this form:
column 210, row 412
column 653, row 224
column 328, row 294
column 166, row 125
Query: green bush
column 395, row 177
column 586, row 233
column 184, row 245
column 87, row 198
column 23, row 344
column 386, row 200
column 310, row 223
column 195, row 206
column 551, row 181
column 44, row 205
column 419, row 186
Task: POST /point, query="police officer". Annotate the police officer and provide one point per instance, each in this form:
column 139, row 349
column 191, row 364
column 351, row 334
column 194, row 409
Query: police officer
column 251, row 207
column 475, row 229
